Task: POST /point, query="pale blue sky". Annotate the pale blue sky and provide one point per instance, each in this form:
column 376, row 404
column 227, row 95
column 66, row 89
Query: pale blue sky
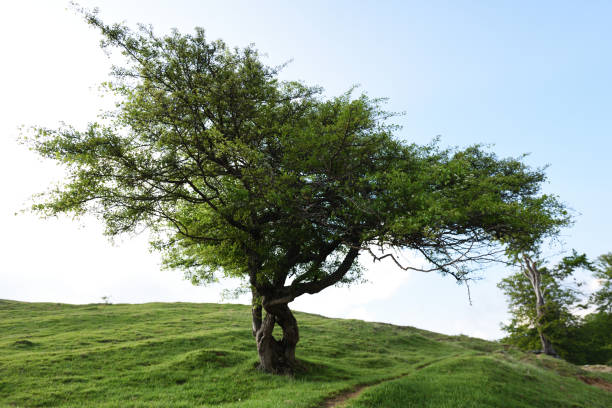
column 526, row 77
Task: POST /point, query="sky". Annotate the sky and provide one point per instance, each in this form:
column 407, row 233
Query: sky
column 520, row 76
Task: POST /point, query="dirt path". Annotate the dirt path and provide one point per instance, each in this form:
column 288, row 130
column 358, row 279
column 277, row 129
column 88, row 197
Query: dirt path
column 597, row 382
column 339, row 400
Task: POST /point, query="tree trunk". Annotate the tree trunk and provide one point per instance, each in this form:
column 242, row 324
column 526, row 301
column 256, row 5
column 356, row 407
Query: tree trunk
column 275, row 356
column 534, row 276
column 547, row 347
column 256, row 311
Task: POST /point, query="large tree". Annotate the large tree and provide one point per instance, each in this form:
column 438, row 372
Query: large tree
column 240, row 174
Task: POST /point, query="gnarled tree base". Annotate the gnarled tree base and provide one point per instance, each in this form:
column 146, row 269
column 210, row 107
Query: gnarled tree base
column 275, row 356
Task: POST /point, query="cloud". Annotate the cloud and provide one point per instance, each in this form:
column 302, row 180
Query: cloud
column 594, row 284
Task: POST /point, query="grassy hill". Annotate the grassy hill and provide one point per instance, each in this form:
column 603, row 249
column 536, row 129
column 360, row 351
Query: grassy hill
column 203, row 355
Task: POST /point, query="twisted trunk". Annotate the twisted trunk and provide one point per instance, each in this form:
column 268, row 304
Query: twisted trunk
column 278, row 356
column 275, row 356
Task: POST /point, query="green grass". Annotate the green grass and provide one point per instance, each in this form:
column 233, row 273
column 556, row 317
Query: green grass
column 481, row 381
column 203, row 355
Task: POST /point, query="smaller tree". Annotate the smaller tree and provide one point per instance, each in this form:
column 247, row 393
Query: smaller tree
column 540, row 300
column 602, row 299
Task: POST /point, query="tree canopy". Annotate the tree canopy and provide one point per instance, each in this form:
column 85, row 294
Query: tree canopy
column 240, row 174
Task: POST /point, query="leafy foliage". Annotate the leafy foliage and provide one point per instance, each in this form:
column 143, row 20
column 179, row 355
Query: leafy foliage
column 589, row 341
column 602, row 298
column 240, row 173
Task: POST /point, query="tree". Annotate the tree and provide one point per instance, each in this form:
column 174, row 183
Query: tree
column 541, row 300
column 602, row 298
column 239, row 174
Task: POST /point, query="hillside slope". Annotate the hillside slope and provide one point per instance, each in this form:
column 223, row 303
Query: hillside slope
column 203, row 355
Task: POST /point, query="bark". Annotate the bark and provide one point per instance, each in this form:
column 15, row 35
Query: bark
column 533, row 274
column 256, row 311
column 275, row 356
column 547, row 347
